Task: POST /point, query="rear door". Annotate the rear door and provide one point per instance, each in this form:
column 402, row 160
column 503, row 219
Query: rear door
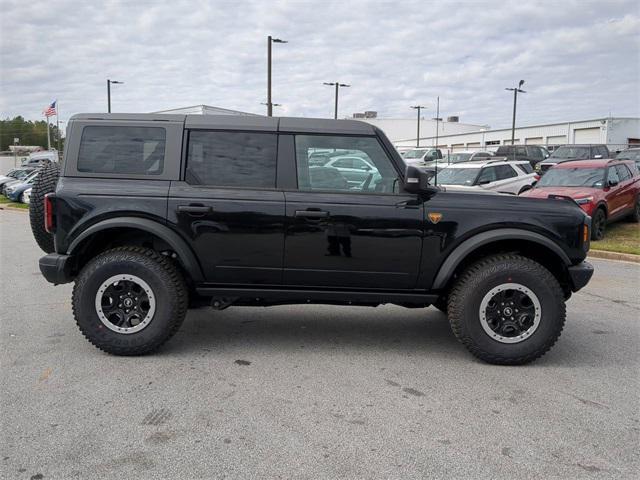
column 615, row 198
column 627, row 190
column 345, row 236
column 228, row 207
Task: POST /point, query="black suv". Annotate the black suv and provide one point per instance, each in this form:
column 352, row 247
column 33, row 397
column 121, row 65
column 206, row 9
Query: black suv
column 567, row 153
column 155, row 214
column 533, row 154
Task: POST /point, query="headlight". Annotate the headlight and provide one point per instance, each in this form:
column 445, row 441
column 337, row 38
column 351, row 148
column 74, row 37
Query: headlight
column 582, row 201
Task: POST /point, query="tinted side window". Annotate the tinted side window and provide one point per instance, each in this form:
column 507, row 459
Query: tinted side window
column 505, row 171
column 535, row 152
column 521, row 151
column 487, row 175
column 369, row 168
column 525, row 167
column 623, row 172
column 232, row 159
column 613, row 174
column 132, row 150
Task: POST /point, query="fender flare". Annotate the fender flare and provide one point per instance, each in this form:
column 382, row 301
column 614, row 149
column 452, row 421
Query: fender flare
column 176, row 242
column 465, row 248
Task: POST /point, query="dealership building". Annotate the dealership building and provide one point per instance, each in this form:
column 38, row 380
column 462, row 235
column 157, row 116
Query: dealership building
column 617, row 132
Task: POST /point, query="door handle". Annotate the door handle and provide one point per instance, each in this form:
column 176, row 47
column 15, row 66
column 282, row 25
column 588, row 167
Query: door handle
column 312, row 213
column 194, row 209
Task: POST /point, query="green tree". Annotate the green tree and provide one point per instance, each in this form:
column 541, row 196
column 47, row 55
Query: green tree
column 29, row 133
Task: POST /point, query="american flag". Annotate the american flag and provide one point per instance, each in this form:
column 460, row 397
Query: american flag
column 50, row 111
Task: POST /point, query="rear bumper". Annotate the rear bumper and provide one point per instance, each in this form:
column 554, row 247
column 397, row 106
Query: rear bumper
column 580, row 275
column 56, row 268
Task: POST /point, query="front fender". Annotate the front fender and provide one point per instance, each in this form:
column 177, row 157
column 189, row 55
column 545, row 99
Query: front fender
column 454, row 259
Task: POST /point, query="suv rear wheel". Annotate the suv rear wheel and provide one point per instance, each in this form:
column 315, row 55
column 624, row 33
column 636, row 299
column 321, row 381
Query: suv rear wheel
column 507, row 309
column 598, row 224
column 129, row 300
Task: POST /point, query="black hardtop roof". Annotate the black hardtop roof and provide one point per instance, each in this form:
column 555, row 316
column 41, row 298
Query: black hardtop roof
column 243, row 122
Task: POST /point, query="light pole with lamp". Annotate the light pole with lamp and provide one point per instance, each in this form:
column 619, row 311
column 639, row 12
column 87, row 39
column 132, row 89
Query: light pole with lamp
column 515, row 101
column 337, row 85
column 418, row 108
column 270, row 40
column 109, row 82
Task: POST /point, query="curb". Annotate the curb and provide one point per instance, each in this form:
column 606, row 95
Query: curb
column 14, row 209
column 627, row 257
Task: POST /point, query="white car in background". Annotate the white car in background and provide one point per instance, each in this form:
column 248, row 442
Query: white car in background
column 354, row 169
column 418, row 156
column 497, row 175
column 460, row 157
column 26, row 196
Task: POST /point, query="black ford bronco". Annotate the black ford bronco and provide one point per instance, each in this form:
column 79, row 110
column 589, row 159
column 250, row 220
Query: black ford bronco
column 151, row 215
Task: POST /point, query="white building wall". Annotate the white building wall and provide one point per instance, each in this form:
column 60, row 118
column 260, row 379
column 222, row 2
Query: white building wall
column 612, row 131
column 405, row 129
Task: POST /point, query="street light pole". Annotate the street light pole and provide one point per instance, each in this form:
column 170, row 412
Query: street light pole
column 337, row 85
column 418, row 108
column 109, row 82
column 515, row 101
column 437, row 119
column 270, row 40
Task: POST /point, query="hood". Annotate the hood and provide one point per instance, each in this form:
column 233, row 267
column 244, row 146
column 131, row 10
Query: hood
column 573, row 192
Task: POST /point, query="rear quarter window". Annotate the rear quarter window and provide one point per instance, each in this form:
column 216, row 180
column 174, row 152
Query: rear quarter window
column 122, row 150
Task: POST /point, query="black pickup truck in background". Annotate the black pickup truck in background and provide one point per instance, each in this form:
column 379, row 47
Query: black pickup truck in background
column 154, row 214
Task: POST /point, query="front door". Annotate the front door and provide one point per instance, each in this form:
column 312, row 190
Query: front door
column 228, row 207
column 345, row 235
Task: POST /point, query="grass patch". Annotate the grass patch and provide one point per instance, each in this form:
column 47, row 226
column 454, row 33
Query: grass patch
column 5, row 201
column 621, row 237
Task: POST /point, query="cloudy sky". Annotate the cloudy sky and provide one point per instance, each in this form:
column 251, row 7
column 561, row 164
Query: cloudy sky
column 580, row 59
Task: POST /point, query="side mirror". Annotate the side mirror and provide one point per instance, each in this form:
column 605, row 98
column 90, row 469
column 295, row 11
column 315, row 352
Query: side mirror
column 613, row 183
column 484, row 182
column 417, row 181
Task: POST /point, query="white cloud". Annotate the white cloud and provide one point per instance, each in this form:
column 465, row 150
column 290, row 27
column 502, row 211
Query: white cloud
column 579, row 59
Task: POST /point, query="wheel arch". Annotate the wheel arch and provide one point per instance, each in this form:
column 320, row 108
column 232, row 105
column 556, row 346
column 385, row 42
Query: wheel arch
column 529, row 244
column 132, row 227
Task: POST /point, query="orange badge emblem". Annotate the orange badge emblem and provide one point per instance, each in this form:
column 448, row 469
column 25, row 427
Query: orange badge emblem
column 434, row 217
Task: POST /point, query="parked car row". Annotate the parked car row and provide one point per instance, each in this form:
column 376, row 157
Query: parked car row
column 606, row 189
column 16, row 184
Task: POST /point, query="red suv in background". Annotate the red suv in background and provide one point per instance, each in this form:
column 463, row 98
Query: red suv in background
column 607, row 190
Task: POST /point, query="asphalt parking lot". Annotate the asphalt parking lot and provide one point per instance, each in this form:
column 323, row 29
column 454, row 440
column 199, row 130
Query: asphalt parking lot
column 313, row 391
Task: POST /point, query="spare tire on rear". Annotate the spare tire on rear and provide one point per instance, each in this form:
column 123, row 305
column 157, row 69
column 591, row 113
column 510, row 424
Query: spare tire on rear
column 44, row 183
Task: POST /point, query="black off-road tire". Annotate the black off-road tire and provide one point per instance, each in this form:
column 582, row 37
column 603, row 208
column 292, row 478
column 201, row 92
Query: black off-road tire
column 598, row 224
column 483, row 276
column 44, row 183
column 161, row 275
column 635, row 216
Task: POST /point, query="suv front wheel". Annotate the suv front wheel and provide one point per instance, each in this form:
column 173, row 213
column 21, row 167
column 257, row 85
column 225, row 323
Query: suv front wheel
column 129, row 300
column 507, row 309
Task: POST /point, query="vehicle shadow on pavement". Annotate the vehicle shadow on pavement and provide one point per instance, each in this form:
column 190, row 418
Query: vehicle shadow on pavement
column 318, row 328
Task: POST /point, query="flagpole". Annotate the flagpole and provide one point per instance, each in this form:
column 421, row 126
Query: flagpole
column 48, row 134
column 58, row 125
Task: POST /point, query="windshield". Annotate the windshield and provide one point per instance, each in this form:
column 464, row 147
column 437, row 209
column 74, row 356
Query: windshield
column 458, row 157
column 31, row 177
column 629, row 155
column 573, row 177
column 457, row 176
column 418, row 153
column 579, row 153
